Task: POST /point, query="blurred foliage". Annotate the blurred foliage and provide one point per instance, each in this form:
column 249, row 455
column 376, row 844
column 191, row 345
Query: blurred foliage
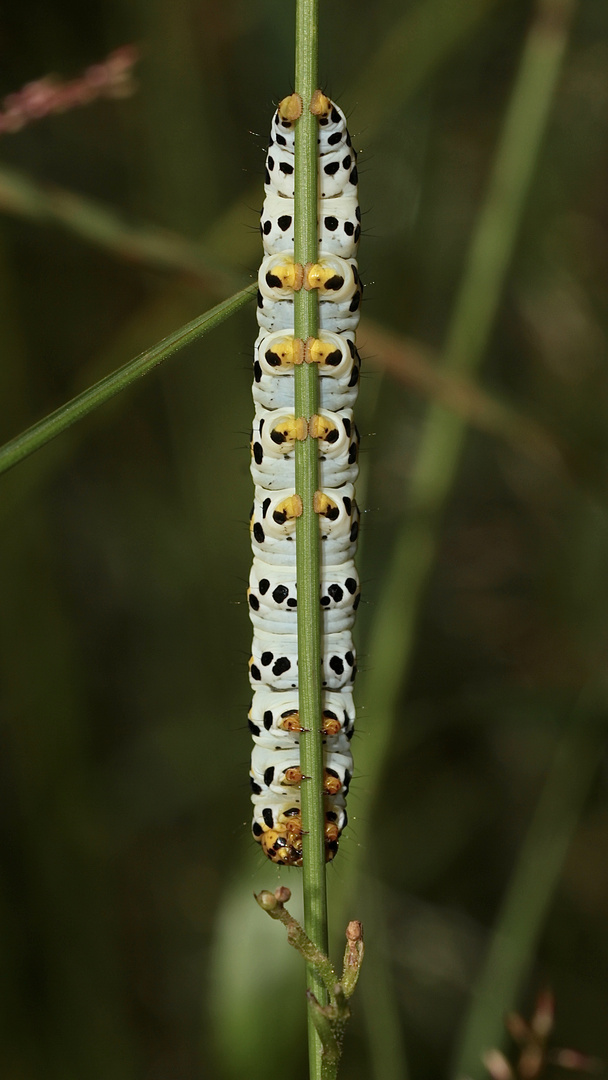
column 131, row 946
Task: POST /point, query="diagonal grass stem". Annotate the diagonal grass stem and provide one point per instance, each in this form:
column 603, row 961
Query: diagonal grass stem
column 80, row 406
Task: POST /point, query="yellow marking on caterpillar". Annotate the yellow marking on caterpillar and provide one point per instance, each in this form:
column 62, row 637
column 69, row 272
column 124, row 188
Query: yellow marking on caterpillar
column 320, row 105
column 291, row 722
column 289, row 352
column 293, row 776
column 332, row 832
column 331, row 784
column 291, row 428
column 291, row 107
column 290, row 275
column 291, row 507
column 319, row 427
column 322, row 503
column 317, row 351
column 331, row 725
column 301, row 429
column 316, row 275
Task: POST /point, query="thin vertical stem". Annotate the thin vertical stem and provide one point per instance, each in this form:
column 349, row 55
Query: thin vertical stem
column 307, row 533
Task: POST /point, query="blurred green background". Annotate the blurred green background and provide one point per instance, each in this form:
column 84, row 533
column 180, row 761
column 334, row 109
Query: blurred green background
column 131, row 945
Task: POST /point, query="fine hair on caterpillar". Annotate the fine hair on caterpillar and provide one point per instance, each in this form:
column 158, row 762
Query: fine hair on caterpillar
column 274, row 723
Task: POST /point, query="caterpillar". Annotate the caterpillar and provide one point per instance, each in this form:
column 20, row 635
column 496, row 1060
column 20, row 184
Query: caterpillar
column 275, row 774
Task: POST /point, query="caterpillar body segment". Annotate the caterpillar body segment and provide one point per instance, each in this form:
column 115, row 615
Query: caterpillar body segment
column 339, row 227
column 277, row 825
column 273, row 598
column 273, row 524
column 278, row 771
column 274, row 660
column 275, row 433
column 273, row 370
column 336, row 279
column 274, row 719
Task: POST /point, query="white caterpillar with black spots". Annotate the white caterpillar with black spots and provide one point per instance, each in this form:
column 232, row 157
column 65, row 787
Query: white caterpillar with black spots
column 273, row 669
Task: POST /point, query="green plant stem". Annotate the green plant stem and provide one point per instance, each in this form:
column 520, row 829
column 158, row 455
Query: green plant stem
column 324, row 1029
column 80, row 406
column 307, row 532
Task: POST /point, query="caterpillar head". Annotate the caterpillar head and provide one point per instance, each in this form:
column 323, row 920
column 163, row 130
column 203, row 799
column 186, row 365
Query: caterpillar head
column 279, row 831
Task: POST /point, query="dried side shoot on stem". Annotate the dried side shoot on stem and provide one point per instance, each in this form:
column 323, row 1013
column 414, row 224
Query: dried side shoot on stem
column 330, row 1020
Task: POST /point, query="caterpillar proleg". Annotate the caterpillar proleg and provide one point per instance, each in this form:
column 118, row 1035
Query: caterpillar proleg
column 272, row 594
